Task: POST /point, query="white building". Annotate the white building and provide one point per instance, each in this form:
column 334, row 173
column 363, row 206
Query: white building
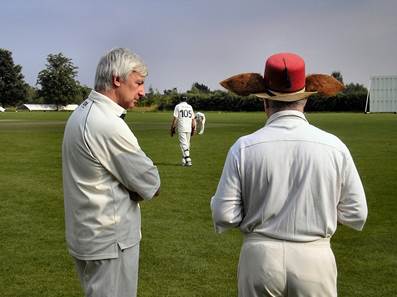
column 39, row 107
column 69, row 107
column 48, row 107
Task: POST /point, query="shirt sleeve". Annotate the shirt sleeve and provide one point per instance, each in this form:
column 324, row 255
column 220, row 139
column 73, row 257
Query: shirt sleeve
column 122, row 156
column 352, row 207
column 176, row 110
column 226, row 204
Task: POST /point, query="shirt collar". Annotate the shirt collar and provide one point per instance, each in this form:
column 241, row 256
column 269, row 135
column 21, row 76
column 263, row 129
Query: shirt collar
column 285, row 113
column 113, row 106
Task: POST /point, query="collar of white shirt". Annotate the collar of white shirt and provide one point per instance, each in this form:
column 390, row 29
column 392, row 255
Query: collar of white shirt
column 285, row 113
column 113, row 106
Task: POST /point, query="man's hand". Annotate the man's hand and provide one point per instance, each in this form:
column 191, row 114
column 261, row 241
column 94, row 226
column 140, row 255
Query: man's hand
column 135, row 196
column 172, row 131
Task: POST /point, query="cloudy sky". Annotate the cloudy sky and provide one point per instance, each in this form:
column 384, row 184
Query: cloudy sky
column 187, row 41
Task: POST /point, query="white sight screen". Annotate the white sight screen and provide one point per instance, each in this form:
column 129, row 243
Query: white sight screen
column 383, row 94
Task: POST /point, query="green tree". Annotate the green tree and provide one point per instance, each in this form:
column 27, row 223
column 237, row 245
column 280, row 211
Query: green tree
column 199, row 88
column 337, row 75
column 13, row 88
column 173, row 91
column 58, row 81
column 32, row 96
column 353, row 88
column 84, row 92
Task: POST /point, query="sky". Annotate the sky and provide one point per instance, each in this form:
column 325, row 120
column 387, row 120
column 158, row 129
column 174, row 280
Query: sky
column 206, row 41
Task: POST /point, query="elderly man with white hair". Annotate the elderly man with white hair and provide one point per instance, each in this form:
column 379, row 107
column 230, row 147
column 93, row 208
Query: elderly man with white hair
column 105, row 175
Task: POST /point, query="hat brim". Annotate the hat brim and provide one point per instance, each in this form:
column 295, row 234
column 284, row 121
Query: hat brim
column 245, row 84
column 286, row 97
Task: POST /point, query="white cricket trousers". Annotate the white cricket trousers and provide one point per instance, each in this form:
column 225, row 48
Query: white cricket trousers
column 270, row 267
column 184, row 143
column 110, row 277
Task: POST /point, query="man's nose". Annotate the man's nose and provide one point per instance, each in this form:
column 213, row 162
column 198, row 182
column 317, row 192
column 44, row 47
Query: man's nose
column 142, row 92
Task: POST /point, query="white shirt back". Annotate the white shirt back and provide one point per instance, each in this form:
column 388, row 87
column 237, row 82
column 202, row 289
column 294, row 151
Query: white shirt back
column 290, row 181
column 184, row 113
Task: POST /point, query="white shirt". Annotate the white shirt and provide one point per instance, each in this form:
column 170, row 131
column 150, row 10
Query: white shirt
column 184, row 113
column 102, row 162
column 289, row 181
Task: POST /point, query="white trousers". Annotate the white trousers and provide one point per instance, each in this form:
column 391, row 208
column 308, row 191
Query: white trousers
column 110, row 277
column 184, row 144
column 269, row 267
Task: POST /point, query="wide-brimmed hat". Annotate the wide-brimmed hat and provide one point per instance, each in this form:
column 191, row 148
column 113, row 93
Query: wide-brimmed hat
column 284, row 80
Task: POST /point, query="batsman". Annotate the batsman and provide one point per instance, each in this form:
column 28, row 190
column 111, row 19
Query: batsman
column 184, row 121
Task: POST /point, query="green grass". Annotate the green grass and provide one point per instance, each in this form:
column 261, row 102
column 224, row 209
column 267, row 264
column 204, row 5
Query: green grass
column 180, row 253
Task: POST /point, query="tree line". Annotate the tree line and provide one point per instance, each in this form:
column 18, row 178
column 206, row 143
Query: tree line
column 353, row 98
column 57, row 84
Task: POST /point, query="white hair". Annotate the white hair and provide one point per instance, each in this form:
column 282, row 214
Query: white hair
column 118, row 62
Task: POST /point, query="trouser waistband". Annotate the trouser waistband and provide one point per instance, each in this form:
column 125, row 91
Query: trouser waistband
column 260, row 237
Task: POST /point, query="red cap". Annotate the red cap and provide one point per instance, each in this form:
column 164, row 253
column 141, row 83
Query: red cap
column 285, row 73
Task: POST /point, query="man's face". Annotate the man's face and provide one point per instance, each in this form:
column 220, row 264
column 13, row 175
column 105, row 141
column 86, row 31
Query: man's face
column 130, row 90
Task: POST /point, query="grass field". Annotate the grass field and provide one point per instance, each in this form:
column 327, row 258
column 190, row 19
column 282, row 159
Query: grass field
column 180, row 253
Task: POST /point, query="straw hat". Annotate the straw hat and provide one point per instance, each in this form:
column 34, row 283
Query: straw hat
column 284, row 80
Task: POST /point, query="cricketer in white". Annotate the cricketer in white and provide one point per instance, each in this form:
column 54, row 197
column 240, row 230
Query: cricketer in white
column 286, row 186
column 184, row 120
column 200, row 122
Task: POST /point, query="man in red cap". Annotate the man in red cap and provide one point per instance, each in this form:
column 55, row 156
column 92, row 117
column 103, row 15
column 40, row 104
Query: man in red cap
column 286, row 186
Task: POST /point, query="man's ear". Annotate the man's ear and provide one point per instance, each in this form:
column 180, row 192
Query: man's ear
column 116, row 81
